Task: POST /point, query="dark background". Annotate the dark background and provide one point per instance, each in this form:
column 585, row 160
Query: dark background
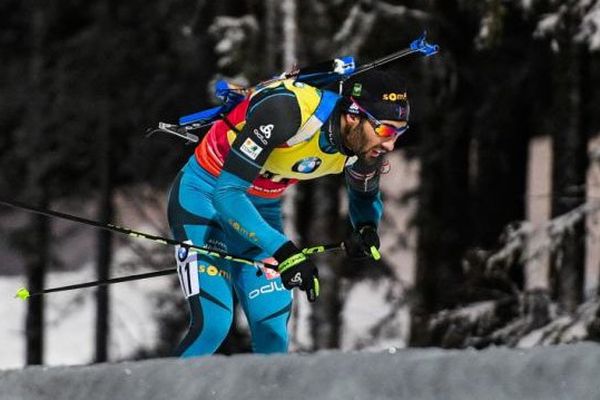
column 80, row 81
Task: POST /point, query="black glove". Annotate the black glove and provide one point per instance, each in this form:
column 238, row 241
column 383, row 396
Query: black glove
column 362, row 243
column 297, row 270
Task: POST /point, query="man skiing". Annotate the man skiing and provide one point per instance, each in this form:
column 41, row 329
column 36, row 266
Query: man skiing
column 228, row 197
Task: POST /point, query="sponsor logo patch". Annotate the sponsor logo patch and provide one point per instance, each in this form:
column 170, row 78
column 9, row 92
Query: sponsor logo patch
column 251, row 149
column 307, row 165
column 263, row 133
column 266, row 130
column 353, row 109
column 243, row 231
column 212, row 270
column 271, row 287
column 182, row 253
column 297, row 279
column 394, row 96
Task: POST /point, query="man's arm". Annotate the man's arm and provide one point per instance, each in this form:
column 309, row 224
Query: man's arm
column 364, row 197
column 272, row 119
column 366, row 208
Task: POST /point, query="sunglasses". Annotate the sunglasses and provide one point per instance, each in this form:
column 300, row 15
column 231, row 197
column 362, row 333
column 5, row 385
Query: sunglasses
column 381, row 128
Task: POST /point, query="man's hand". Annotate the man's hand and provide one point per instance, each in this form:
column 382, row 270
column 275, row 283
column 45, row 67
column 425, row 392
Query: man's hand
column 296, row 270
column 362, row 243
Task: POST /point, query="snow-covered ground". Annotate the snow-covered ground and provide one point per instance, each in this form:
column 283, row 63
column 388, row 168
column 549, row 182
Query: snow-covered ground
column 70, row 319
column 545, row 372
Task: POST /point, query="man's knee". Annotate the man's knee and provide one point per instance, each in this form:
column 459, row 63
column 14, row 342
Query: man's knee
column 206, row 335
column 270, row 336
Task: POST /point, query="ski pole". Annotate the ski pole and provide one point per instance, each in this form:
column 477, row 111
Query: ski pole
column 155, row 238
column 24, row 294
column 129, row 232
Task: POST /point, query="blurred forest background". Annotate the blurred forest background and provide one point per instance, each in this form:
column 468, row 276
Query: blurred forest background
column 80, row 81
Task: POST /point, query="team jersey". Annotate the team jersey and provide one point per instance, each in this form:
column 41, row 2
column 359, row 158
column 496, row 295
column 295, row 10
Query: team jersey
column 280, row 135
column 283, row 143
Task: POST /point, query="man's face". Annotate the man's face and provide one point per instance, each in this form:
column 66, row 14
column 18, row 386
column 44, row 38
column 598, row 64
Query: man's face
column 364, row 142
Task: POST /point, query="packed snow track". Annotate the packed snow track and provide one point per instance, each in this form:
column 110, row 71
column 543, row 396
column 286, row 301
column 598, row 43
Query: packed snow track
column 561, row 372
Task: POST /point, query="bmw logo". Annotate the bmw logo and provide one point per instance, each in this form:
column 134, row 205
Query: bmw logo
column 307, row 165
column 182, row 253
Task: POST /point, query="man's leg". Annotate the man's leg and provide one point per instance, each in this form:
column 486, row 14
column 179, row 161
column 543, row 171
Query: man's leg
column 206, row 282
column 207, row 287
column 266, row 303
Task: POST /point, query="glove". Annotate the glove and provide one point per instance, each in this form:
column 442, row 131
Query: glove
column 362, row 243
column 296, row 270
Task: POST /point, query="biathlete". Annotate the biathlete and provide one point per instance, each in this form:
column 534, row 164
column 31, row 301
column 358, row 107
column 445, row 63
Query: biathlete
column 228, row 197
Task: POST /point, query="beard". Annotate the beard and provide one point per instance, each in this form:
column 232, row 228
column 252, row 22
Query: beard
column 358, row 142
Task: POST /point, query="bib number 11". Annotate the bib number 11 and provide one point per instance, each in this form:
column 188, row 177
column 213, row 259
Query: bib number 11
column 187, row 270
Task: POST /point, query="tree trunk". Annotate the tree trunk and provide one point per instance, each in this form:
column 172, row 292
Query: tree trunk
column 37, row 250
column 325, row 317
column 104, row 244
column 271, row 37
column 569, row 171
column 290, row 30
column 504, row 126
column 36, row 264
column 104, row 165
column 443, row 217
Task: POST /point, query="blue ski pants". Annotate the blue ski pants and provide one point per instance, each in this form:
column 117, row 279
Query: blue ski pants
column 210, row 284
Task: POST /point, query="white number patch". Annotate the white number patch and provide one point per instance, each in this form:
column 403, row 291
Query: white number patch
column 187, row 269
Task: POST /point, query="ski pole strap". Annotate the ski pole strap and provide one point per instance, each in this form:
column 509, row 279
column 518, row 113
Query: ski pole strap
column 324, row 248
column 292, row 261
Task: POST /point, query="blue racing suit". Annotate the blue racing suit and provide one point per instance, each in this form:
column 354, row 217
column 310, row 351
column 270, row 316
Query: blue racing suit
column 227, row 197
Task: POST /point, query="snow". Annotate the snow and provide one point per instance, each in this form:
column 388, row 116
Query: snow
column 590, row 27
column 70, row 318
column 526, row 4
column 484, row 31
column 366, row 305
column 232, row 35
column 588, row 31
column 11, row 335
column 553, row 372
column 547, row 24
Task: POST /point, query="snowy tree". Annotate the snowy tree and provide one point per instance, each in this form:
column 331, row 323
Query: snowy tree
column 572, row 28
